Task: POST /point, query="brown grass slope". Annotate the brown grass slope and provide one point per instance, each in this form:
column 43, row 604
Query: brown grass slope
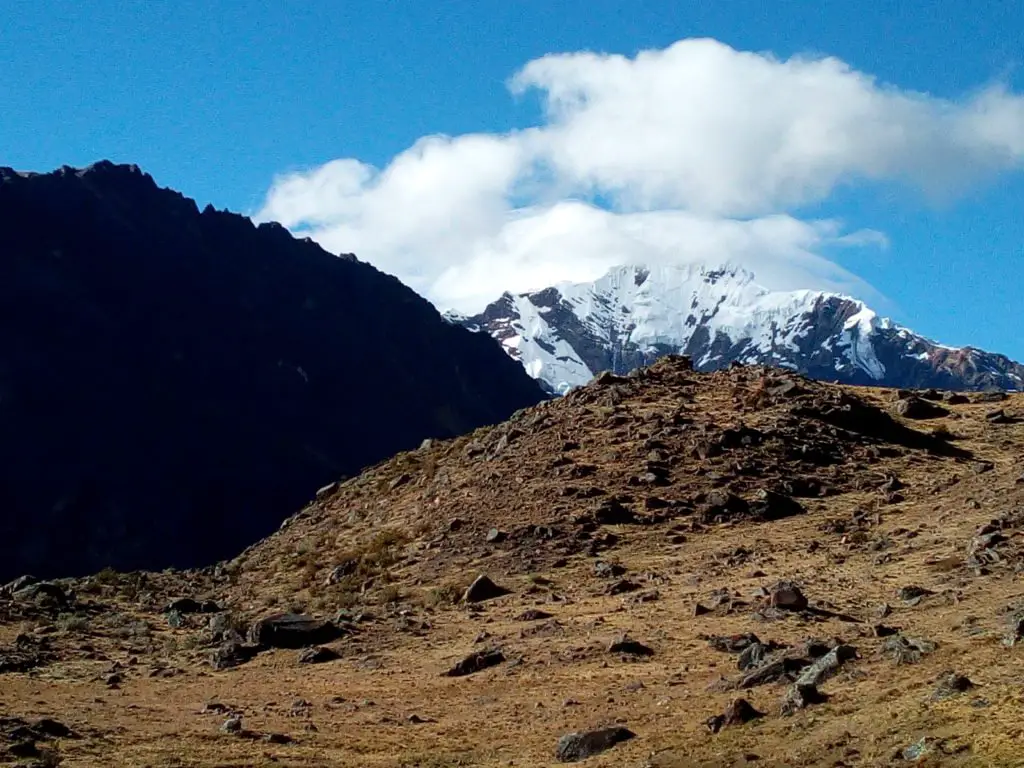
column 703, row 488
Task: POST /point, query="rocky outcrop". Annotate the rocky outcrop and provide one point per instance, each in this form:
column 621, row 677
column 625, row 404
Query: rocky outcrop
column 175, row 382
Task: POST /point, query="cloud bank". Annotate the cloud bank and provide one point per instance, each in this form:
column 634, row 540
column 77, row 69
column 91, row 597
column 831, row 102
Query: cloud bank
column 697, row 152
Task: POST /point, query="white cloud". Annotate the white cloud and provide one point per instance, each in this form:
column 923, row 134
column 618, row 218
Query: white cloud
column 681, row 146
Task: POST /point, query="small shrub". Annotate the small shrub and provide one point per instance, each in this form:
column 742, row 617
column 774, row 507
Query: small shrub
column 69, row 622
column 443, row 596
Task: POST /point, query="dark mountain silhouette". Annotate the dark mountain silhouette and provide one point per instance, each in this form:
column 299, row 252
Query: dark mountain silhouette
column 175, row 383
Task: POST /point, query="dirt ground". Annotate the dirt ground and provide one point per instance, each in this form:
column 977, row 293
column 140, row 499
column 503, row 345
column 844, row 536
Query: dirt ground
column 883, row 505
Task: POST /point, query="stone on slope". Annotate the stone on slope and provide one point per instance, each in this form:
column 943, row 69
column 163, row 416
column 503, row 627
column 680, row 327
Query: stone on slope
column 800, row 696
column 318, row 655
column 822, row 669
column 483, row 588
column 232, row 654
column 739, row 712
column 787, row 596
column 628, row 647
column 917, row 408
column 191, row 605
column 292, row 630
column 769, row 505
column 574, row 747
column 475, row 662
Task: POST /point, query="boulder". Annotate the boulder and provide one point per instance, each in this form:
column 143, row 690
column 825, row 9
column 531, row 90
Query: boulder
column 786, row 596
column 319, row 654
column 42, row 593
column 738, row 712
column 607, row 570
column 232, row 654
column 483, row 588
column 629, row 647
column 475, row 662
column 574, row 747
column 292, row 630
column 916, row 408
column 827, row 665
column 801, row 695
column 19, row 583
column 191, row 605
column 769, row 505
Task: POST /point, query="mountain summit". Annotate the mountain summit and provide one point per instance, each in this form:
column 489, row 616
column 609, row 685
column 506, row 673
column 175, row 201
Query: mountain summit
column 565, row 334
column 175, row 382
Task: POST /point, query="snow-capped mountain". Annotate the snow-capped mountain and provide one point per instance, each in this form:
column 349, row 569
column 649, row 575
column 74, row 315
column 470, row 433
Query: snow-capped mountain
column 565, row 334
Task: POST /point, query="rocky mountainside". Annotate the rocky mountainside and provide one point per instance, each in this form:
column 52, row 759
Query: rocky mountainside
column 175, row 382
column 670, row 569
column 566, row 334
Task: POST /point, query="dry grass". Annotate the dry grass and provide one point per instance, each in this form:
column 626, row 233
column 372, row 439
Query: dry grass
column 407, row 570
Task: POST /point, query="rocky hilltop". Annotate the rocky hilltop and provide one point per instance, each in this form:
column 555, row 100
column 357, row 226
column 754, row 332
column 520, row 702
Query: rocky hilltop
column 566, row 334
column 669, row 569
column 175, row 382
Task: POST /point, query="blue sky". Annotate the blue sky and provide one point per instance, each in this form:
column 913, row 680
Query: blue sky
column 220, row 99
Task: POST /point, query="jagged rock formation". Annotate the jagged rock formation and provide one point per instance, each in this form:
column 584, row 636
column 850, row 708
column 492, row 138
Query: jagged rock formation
column 174, row 383
column 566, row 334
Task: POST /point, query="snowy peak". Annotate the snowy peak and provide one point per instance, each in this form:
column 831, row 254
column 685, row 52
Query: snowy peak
column 565, row 334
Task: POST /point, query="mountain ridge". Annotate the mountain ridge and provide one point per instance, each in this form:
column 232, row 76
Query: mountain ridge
column 565, row 334
column 174, row 381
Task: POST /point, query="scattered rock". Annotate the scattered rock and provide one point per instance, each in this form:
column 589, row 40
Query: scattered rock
column 991, row 396
column 574, row 747
column 190, row 605
column 919, row 749
column 629, row 647
column 475, row 662
column 720, row 505
column 650, row 596
column 738, row 712
column 483, row 589
column 955, row 398
column 42, row 593
column 1016, row 631
column 532, row 614
column 800, row 696
column 906, row 650
column 607, row 570
column 913, row 594
column 613, row 512
column 292, row 630
column 232, row 725
column 495, row 536
column 622, row 586
column 278, row 738
column 997, row 416
column 232, row 654
column 19, row 583
column 768, row 505
column 319, row 654
column 787, row 596
column 732, row 643
column 752, row 656
column 771, row 671
column 950, row 684
column 916, row 408
column 827, row 665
